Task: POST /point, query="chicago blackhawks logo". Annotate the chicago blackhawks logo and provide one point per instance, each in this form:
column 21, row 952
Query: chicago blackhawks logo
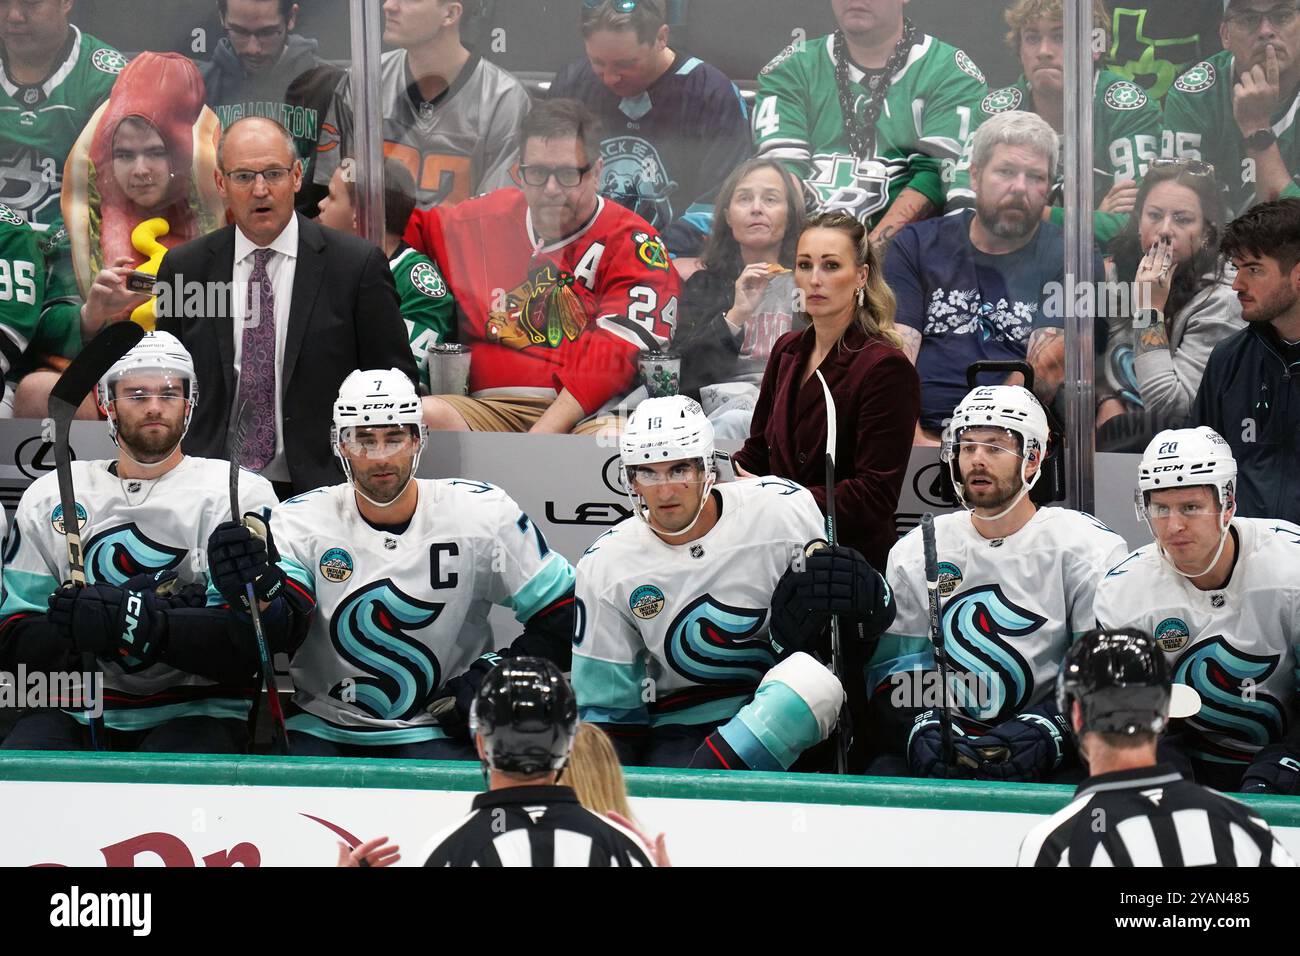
column 1198, row 78
column 398, row 672
column 1003, row 100
column 1232, row 703
column 120, row 553
column 650, row 250
column 713, row 643
column 1125, row 96
column 546, row 311
column 976, row 627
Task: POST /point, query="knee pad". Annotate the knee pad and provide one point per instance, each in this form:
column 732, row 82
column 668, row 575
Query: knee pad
column 795, row 707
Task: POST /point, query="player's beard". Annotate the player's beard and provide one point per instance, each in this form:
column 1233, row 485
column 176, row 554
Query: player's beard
column 993, row 219
column 385, row 491
column 150, row 445
column 995, row 497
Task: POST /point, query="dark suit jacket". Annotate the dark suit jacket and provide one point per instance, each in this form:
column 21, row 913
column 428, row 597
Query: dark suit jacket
column 877, row 401
column 344, row 316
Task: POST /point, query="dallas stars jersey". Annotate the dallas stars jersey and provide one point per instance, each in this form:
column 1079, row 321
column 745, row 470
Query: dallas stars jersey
column 1010, row 606
column 1125, row 126
column 426, row 305
column 130, row 527
column 458, row 145
column 667, row 150
column 397, row 615
column 1199, row 125
column 1236, row 646
column 511, row 289
column 22, row 287
column 677, row 634
column 928, row 114
column 39, row 124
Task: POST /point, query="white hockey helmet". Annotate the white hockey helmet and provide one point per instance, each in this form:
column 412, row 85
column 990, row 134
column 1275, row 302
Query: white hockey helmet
column 158, row 352
column 1010, row 407
column 376, row 397
column 673, row 428
column 1188, row 458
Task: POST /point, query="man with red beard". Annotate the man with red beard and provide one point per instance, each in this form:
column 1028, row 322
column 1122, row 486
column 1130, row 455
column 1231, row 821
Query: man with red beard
column 977, row 285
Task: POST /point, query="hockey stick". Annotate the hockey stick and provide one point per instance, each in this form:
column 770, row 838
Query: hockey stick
column 843, row 726
column 79, row 379
column 936, row 635
column 279, row 738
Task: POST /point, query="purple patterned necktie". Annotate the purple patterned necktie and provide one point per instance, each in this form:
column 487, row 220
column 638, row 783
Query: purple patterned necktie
column 257, row 366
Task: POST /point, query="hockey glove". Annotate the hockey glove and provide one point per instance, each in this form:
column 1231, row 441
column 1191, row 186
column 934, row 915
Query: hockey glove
column 453, row 700
column 794, row 627
column 1275, row 769
column 839, row 580
column 125, row 624
column 925, row 750
column 1026, row 748
column 244, row 553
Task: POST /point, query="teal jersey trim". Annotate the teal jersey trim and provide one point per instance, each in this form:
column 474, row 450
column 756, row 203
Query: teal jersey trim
column 547, row 585
column 315, row 727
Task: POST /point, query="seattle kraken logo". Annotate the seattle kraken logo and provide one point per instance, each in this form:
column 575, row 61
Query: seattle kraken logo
column 975, row 627
column 711, row 643
column 118, row 554
column 1231, row 703
column 369, row 631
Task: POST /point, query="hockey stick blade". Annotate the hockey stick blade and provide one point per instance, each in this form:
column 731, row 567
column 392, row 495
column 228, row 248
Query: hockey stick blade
column 78, row 379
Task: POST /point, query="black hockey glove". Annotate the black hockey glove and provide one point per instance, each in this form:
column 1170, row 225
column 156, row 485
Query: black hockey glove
column 452, row 703
column 839, row 580
column 1026, row 748
column 1275, row 769
column 127, row 624
column 244, row 553
column 794, row 627
column 925, row 750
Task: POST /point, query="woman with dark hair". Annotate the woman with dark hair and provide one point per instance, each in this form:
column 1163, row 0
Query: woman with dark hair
column 852, row 341
column 1182, row 304
column 742, row 300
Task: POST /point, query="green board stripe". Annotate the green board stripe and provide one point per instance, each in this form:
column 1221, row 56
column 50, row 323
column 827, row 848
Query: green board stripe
column 257, row 771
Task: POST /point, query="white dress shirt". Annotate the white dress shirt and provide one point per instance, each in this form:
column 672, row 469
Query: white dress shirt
column 280, row 268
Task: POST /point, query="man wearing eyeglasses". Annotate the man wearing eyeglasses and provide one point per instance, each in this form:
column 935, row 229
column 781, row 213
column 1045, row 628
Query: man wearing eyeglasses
column 178, row 674
column 1016, row 586
column 1237, row 109
column 298, row 307
column 450, row 116
column 674, row 125
column 1219, row 593
column 558, row 288
column 262, row 68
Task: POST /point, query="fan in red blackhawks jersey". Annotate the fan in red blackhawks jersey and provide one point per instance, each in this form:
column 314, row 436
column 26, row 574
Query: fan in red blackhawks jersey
column 178, row 667
column 1221, row 595
column 1016, row 583
column 557, row 288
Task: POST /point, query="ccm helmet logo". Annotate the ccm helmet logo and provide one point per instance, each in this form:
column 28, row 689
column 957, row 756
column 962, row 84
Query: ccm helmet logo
column 378, row 405
column 1158, row 469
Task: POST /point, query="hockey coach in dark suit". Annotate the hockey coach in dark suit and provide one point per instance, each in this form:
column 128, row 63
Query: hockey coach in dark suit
column 297, row 306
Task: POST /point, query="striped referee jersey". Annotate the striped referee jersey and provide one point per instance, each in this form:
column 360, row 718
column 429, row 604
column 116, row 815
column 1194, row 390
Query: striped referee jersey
column 534, row 826
column 1152, row 816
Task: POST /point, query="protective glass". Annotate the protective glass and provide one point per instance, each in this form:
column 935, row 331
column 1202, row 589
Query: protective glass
column 1000, row 449
column 140, row 386
column 1189, row 510
column 682, row 474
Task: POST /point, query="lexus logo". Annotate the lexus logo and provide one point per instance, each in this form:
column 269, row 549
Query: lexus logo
column 929, row 486
column 35, row 457
column 612, row 476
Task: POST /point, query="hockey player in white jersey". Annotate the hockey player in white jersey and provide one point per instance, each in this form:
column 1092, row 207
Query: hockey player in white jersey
column 1221, row 595
column 178, row 674
column 1016, row 583
column 403, row 572
column 673, row 653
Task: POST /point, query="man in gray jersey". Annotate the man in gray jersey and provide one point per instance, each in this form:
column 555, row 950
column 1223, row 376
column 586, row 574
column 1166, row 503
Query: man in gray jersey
column 450, row 118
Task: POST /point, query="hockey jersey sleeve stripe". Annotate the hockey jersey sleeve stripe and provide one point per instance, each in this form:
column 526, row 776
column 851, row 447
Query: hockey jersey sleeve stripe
column 628, row 331
column 609, row 692
column 297, row 573
column 898, row 652
column 772, row 737
column 547, row 586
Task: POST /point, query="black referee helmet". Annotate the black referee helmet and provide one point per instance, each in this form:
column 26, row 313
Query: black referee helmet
column 527, row 715
column 1122, row 683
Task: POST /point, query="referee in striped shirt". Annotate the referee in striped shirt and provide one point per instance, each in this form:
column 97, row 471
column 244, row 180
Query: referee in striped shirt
column 1115, row 688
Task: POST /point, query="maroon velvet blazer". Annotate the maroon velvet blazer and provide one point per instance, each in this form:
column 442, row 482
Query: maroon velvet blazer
column 877, row 402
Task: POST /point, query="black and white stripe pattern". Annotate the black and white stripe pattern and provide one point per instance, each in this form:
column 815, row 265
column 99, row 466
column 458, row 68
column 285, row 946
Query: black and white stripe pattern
column 534, row 826
column 1152, row 816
